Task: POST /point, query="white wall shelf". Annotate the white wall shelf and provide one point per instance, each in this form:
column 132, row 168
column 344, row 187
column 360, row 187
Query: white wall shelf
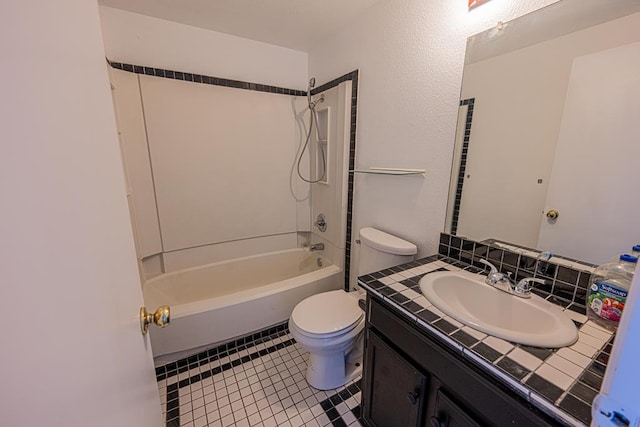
column 390, row 171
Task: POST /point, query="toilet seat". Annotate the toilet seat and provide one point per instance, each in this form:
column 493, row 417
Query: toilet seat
column 327, row 314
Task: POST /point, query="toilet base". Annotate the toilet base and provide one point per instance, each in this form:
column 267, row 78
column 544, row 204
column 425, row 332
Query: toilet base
column 329, row 371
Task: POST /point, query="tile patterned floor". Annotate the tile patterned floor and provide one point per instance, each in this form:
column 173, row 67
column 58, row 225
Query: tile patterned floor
column 257, row 381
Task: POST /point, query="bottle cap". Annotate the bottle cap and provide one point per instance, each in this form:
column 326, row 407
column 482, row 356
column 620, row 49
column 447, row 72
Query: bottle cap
column 628, row 258
column 636, row 248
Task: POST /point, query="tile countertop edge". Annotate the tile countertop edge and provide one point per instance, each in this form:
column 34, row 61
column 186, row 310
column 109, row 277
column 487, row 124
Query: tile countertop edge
column 466, row 353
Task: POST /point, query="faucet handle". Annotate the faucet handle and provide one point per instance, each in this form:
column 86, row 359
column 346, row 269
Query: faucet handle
column 493, row 267
column 523, row 288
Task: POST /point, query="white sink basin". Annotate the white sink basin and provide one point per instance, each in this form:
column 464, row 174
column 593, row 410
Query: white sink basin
column 465, row 297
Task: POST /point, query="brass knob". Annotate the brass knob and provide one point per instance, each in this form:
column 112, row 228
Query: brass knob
column 161, row 317
column 552, row 214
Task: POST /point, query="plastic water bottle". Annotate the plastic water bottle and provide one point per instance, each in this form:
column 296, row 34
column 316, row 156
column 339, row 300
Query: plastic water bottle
column 635, row 251
column 610, row 285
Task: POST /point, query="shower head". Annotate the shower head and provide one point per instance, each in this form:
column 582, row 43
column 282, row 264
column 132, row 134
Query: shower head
column 313, row 104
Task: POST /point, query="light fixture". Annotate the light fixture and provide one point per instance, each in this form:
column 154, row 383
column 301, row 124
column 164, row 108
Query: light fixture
column 476, row 3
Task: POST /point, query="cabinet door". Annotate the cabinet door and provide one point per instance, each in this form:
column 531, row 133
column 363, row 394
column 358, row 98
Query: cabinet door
column 449, row 414
column 393, row 389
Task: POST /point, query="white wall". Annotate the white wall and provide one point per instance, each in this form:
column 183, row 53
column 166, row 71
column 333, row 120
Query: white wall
column 143, row 40
column 410, row 54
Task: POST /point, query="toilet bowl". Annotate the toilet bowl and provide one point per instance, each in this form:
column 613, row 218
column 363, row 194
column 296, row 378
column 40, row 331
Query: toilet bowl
column 330, row 327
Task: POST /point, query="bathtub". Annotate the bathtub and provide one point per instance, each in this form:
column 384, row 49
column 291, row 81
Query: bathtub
column 217, row 302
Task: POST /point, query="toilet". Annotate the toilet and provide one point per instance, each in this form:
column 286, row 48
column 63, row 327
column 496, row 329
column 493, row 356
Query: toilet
column 330, row 325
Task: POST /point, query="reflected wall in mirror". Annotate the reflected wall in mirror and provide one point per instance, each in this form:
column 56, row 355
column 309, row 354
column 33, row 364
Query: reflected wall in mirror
column 549, row 122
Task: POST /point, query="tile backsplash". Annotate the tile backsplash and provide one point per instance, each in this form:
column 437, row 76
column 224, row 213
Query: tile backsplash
column 567, row 280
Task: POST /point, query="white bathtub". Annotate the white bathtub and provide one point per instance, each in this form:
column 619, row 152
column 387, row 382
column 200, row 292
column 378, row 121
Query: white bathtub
column 217, row 302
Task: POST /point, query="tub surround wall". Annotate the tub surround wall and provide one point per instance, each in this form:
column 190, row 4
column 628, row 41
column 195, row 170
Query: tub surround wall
column 132, row 134
column 137, row 39
column 330, row 198
column 221, row 159
column 157, row 187
column 201, row 255
column 334, row 200
column 349, row 271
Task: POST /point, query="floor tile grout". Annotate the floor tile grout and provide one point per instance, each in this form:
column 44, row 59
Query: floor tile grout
column 275, row 365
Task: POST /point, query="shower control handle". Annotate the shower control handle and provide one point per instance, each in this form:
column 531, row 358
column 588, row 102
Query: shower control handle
column 161, row 317
column 321, row 223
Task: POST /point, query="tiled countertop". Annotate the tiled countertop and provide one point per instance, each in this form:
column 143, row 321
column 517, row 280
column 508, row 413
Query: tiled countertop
column 561, row 382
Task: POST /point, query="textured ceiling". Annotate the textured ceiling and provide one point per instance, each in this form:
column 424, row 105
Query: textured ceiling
column 296, row 24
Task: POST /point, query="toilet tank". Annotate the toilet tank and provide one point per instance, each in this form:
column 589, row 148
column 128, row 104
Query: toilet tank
column 380, row 250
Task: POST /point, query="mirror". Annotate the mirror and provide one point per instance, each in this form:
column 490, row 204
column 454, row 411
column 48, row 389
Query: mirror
column 546, row 151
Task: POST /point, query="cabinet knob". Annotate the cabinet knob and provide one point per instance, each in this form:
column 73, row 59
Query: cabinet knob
column 412, row 397
column 435, row 422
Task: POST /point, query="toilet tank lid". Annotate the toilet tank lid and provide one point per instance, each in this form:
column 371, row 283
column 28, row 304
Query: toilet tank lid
column 385, row 242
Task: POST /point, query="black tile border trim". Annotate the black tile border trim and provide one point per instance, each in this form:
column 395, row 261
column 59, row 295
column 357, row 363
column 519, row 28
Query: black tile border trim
column 237, row 84
column 566, row 286
column 203, row 79
column 470, row 102
column 173, row 390
column 172, row 369
column 328, row 405
column 353, row 76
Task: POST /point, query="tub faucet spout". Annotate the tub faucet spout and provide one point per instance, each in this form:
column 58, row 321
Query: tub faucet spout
column 316, row 247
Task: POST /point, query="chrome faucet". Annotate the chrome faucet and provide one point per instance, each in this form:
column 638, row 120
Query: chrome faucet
column 524, row 286
column 498, row 280
column 316, row 247
column 504, row 283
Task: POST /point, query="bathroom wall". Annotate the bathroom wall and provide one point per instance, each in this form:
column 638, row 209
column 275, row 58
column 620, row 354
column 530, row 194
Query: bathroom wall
column 410, row 56
column 137, row 39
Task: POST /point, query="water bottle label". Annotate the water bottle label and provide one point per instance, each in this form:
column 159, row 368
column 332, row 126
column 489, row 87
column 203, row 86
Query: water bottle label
column 607, row 300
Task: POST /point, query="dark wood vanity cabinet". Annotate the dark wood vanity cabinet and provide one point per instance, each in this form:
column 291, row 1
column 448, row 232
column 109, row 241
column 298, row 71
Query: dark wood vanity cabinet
column 397, row 389
column 410, row 379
